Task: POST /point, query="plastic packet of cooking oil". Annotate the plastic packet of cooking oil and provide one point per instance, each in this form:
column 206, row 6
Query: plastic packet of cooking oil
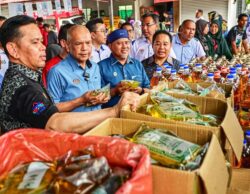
column 34, row 177
column 196, row 162
column 132, row 84
column 82, row 176
column 182, row 85
column 105, row 89
column 117, row 178
column 172, row 111
column 80, row 172
column 165, row 148
column 159, row 97
column 213, row 91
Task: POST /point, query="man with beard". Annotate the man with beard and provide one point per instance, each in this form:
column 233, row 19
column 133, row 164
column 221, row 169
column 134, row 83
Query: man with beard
column 24, row 102
column 185, row 46
column 119, row 66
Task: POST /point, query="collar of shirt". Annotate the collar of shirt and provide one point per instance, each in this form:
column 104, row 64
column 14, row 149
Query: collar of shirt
column 113, row 60
column 151, row 61
column 31, row 74
column 178, row 41
column 101, row 48
column 75, row 65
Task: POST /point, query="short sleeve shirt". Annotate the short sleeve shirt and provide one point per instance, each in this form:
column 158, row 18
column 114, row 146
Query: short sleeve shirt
column 101, row 54
column 185, row 53
column 68, row 80
column 24, row 102
column 237, row 35
column 150, row 65
column 142, row 49
column 113, row 72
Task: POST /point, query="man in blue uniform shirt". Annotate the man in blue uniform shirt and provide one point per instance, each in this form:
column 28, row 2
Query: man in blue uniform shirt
column 119, row 66
column 71, row 82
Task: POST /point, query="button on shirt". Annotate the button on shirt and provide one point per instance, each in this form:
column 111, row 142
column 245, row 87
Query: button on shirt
column 112, row 71
column 98, row 55
column 68, row 80
column 24, row 102
column 185, row 53
column 142, row 49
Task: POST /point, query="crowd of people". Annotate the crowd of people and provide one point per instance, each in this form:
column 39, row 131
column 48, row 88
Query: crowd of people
column 50, row 79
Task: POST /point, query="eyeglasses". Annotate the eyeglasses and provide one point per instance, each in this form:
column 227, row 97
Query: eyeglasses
column 147, row 25
column 103, row 31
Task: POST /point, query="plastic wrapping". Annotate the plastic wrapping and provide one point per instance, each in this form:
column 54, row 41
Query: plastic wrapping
column 27, row 145
column 132, row 84
column 105, row 89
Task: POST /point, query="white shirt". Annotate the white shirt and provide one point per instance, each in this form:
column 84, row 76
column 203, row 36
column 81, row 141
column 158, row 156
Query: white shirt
column 142, row 49
column 99, row 55
column 4, row 64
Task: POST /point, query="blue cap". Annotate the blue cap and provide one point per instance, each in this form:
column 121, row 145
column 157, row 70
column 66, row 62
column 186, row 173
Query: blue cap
column 210, row 74
column 159, row 69
column 247, row 132
column 117, row 34
column 232, row 69
column 238, row 65
column 198, row 65
column 173, row 71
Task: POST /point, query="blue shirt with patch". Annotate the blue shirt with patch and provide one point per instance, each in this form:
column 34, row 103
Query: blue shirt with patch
column 113, row 72
column 67, row 81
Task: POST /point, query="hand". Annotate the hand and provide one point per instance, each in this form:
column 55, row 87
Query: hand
column 120, row 89
column 137, row 90
column 128, row 98
column 91, row 100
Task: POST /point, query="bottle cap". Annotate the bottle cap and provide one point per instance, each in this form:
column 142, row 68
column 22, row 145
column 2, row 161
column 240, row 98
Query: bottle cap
column 230, row 76
column 247, row 132
column 238, row 65
column 210, row 74
column 198, row 65
column 173, row 71
column 158, row 69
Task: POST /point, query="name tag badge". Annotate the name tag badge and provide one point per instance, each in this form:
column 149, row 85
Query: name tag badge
column 76, row 81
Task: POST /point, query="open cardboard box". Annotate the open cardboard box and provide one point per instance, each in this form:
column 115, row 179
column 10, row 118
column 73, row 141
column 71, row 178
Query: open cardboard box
column 229, row 94
column 211, row 178
column 240, row 183
column 229, row 128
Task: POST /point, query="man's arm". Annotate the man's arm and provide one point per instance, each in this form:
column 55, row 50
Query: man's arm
column 81, row 122
column 245, row 45
column 234, row 48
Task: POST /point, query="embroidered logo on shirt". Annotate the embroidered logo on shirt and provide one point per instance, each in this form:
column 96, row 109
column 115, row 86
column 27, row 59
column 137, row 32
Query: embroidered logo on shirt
column 38, row 108
column 76, row 81
column 115, row 74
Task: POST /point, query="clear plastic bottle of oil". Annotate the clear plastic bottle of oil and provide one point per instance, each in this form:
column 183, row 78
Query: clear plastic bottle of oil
column 197, row 72
column 157, row 76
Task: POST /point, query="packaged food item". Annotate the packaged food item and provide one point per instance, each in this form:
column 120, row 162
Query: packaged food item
column 212, row 91
column 105, row 89
column 166, row 148
column 34, row 177
column 130, row 84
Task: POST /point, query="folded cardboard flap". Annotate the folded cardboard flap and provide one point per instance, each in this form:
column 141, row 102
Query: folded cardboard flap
column 230, row 124
column 215, row 162
column 233, row 131
column 185, row 182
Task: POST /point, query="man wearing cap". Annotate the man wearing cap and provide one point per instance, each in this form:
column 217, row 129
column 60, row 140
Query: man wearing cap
column 119, row 66
column 72, row 81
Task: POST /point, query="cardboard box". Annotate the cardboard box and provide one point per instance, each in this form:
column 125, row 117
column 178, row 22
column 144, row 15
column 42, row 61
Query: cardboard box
column 241, row 179
column 229, row 94
column 229, row 129
column 173, row 181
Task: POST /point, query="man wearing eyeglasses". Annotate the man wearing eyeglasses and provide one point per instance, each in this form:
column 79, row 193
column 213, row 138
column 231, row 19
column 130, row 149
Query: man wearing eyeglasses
column 73, row 80
column 98, row 33
column 142, row 47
